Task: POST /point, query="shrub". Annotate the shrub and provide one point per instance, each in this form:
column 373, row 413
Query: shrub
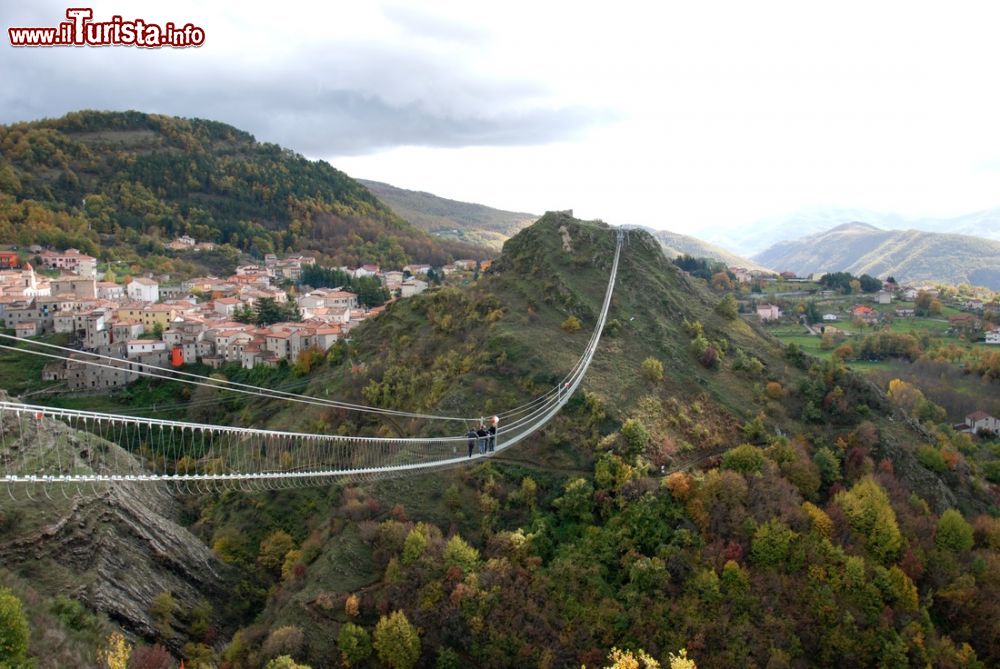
column 652, row 370
column 636, row 436
column 774, row 390
column 571, row 324
column 727, row 308
column 931, row 458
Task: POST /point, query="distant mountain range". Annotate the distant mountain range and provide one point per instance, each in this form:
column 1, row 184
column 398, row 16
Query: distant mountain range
column 908, row 255
column 451, row 219
column 486, row 226
column 675, row 244
column 753, row 239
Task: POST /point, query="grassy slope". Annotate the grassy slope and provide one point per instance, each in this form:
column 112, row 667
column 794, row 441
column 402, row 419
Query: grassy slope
column 465, row 221
column 538, row 284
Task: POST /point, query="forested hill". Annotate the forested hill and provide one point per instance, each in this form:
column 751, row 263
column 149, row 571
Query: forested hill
column 93, row 179
column 465, row 221
column 706, row 488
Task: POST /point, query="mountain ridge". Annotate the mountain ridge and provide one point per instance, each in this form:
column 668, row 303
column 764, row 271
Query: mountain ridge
column 129, row 179
column 909, row 255
column 449, row 218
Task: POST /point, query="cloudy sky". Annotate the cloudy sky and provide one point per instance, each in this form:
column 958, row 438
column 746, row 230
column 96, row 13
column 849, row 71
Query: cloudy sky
column 698, row 117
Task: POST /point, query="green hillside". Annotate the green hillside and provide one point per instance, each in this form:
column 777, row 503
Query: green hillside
column 911, row 256
column 585, row 537
column 120, row 184
column 708, row 489
column 451, row 219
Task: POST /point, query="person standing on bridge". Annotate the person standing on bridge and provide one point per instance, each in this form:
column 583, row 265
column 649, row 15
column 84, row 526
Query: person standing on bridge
column 492, row 431
column 482, row 434
column 472, row 436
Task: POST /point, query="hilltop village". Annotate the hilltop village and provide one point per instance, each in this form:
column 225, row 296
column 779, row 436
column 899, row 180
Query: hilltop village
column 261, row 315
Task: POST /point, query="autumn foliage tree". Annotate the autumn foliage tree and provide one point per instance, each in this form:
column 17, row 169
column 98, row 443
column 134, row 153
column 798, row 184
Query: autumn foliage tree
column 396, row 641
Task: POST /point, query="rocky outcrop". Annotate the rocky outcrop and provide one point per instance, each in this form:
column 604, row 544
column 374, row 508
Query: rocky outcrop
column 114, row 549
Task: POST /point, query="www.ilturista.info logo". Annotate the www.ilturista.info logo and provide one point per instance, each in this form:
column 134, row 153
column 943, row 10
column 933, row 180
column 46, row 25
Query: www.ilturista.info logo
column 81, row 30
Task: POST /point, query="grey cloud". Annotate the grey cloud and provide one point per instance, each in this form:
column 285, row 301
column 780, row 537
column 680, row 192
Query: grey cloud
column 344, row 99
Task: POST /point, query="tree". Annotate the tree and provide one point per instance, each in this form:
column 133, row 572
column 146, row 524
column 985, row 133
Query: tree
column 727, row 307
column 926, row 304
column 396, row 641
column 828, row 464
column 812, row 313
column 273, row 549
column 652, row 370
column 244, row 314
column 576, row 503
column 354, row 643
column 415, row 544
column 458, row 552
column 117, row 653
column 722, row 281
column 636, row 437
column 270, row 311
column 151, row 657
column 13, row 630
column 872, row 519
column 869, row 284
column 285, row 662
column 745, row 459
column 953, row 532
column 772, row 542
column 626, row 659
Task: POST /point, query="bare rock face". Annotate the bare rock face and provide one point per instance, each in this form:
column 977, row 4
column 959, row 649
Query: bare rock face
column 115, row 549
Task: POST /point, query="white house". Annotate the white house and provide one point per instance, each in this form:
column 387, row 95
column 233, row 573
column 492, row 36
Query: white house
column 768, row 312
column 883, row 297
column 981, row 421
column 909, row 294
column 412, row 287
column 993, row 336
column 136, row 347
column 143, row 290
column 829, row 317
column 417, row 270
column 226, row 306
column 109, row 290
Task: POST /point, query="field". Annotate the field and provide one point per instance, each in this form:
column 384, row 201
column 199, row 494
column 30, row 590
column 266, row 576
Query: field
column 944, row 383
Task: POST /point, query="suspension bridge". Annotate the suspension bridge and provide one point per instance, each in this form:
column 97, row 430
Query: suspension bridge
column 55, row 451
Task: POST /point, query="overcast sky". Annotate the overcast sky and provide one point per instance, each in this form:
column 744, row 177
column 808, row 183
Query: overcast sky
column 695, row 116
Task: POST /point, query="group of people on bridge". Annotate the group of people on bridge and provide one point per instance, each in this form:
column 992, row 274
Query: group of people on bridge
column 484, row 437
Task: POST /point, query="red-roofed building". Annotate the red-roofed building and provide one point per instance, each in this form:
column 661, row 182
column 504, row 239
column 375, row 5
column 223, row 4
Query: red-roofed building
column 71, row 260
column 9, row 260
